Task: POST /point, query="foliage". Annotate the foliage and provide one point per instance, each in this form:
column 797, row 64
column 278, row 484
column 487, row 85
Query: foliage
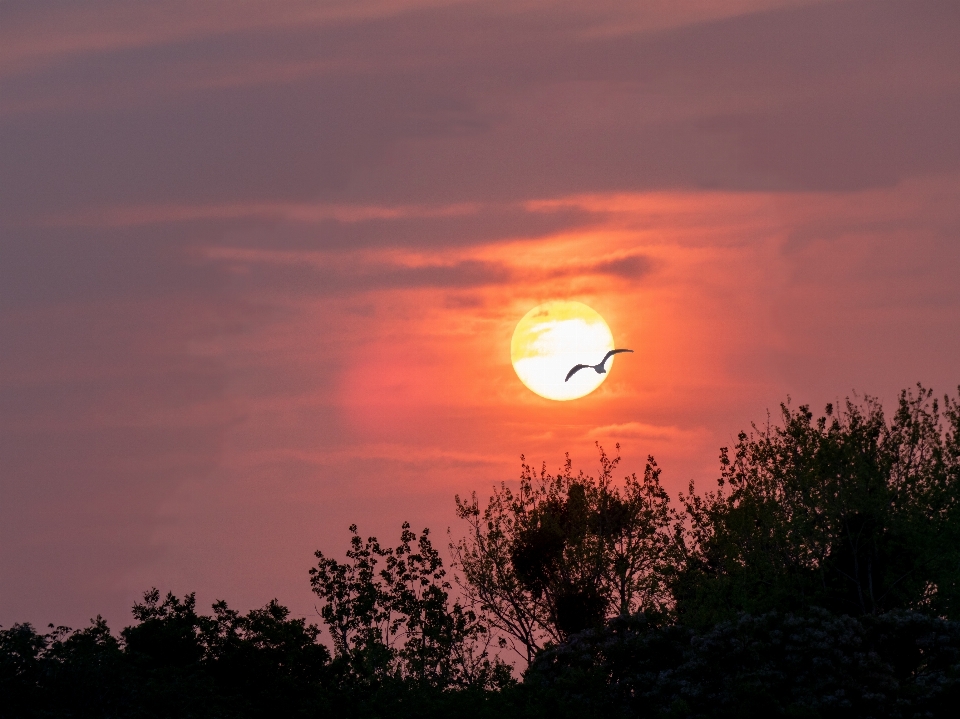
column 20, row 669
column 846, row 512
column 389, row 615
column 175, row 661
column 565, row 551
column 172, row 662
column 814, row 665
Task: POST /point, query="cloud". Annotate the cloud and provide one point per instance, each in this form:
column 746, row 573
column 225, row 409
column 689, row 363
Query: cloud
column 330, row 226
column 822, row 96
column 324, row 273
column 313, row 272
column 631, row 267
column 641, row 430
column 32, row 35
column 299, row 212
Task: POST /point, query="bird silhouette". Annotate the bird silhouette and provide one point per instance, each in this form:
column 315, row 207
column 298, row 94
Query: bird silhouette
column 598, row 368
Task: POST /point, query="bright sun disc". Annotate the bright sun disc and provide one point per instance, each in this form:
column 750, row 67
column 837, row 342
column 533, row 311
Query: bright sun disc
column 552, row 338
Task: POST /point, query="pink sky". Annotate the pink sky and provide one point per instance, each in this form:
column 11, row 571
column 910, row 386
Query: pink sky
column 260, row 264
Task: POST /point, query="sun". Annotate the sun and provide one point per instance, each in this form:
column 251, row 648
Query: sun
column 552, row 338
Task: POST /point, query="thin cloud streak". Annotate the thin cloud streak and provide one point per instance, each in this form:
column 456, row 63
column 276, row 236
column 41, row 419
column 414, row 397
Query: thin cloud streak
column 106, row 27
column 299, row 212
column 110, row 26
column 363, row 272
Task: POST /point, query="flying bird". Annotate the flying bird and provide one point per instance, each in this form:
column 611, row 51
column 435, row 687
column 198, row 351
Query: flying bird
column 598, row 368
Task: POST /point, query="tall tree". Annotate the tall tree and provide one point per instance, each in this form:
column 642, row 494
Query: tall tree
column 390, row 616
column 565, row 552
column 848, row 512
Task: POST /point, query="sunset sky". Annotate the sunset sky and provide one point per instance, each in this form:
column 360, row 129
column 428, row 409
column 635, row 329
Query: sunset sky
column 261, row 261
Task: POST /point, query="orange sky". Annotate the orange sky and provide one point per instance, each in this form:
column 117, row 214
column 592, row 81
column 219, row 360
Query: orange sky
column 260, row 264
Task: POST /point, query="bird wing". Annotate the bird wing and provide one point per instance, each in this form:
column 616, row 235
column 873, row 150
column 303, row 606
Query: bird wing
column 575, row 370
column 610, row 354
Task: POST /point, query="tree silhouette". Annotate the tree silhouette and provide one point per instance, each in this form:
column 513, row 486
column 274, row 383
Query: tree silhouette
column 565, row 552
column 390, row 616
column 846, row 512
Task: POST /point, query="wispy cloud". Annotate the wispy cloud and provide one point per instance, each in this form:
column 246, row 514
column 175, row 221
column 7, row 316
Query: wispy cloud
column 34, row 35
column 642, row 430
column 364, row 271
column 299, row 212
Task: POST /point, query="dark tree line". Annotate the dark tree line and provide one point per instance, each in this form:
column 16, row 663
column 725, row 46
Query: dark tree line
column 172, row 662
column 818, row 579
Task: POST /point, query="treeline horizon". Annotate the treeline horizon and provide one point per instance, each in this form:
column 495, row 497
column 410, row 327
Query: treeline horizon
column 820, row 577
